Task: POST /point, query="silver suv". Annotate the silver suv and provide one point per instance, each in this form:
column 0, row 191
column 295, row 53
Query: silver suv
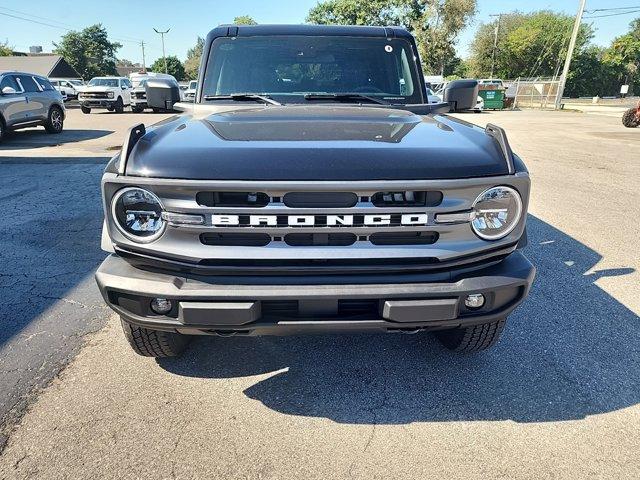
column 28, row 100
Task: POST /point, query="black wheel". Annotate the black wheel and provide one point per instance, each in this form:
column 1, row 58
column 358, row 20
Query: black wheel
column 2, row 129
column 55, row 120
column 118, row 106
column 631, row 118
column 85, row 109
column 154, row 343
column 156, row 110
column 472, row 339
column 137, row 109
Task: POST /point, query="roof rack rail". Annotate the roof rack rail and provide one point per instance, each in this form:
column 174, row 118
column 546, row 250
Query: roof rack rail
column 500, row 136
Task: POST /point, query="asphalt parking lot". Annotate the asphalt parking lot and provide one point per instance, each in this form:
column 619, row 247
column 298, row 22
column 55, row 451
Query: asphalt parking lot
column 559, row 397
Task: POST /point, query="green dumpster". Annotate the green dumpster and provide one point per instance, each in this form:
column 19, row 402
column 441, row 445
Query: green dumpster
column 493, row 99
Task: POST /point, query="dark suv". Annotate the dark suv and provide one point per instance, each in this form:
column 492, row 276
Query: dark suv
column 28, row 100
column 311, row 187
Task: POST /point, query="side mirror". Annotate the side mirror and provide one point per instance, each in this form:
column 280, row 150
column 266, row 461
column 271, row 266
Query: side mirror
column 162, row 93
column 124, row 87
column 461, row 94
column 8, row 91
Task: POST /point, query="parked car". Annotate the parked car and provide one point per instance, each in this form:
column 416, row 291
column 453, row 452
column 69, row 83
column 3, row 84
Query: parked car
column 139, row 91
column 112, row 93
column 338, row 200
column 190, row 92
column 28, row 100
column 66, row 87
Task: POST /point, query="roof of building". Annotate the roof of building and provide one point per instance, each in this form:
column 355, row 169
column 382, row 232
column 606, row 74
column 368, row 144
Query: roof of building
column 45, row 65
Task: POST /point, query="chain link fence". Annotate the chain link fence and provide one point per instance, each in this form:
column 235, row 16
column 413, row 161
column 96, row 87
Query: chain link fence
column 533, row 92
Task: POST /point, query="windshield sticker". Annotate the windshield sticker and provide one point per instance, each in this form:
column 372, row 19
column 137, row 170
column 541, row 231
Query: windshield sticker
column 388, row 48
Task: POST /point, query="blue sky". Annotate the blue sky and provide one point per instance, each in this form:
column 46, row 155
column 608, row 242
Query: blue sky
column 129, row 21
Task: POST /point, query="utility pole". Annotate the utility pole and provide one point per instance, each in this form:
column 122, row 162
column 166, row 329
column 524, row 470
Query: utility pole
column 144, row 63
column 567, row 61
column 164, row 56
column 495, row 43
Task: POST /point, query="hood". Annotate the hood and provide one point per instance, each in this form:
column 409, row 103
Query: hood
column 315, row 143
column 97, row 88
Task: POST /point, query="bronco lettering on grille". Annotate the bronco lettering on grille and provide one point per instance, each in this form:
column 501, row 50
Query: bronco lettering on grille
column 319, row 220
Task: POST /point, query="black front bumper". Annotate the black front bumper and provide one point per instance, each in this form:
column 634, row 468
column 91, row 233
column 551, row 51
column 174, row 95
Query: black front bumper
column 98, row 103
column 201, row 306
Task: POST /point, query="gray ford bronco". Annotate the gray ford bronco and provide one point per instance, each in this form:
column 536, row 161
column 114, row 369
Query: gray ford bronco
column 311, row 187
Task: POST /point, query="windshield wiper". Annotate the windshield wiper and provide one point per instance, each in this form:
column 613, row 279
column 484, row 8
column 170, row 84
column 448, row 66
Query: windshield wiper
column 243, row 97
column 344, row 96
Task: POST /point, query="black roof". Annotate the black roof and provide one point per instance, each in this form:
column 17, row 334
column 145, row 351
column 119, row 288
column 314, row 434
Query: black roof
column 311, row 30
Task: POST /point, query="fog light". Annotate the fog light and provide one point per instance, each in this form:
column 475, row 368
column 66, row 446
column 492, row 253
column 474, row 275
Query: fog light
column 475, row 300
column 161, row 306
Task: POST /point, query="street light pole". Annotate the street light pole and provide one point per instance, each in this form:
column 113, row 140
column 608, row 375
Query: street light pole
column 567, row 61
column 164, row 56
column 144, row 63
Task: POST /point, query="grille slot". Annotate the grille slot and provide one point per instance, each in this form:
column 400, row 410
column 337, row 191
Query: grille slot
column 320, row 239
column 236, row 239
column 404, row 238
column 232, row 199
column 320, row 199
column 407, row 199
column 346, row 308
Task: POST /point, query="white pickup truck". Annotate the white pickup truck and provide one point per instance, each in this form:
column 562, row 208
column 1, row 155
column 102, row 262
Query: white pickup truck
column 112, row 93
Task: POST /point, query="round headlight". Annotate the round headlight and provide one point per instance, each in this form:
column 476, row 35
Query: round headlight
column 138, row 214
column 110, row 95
column 496, row 213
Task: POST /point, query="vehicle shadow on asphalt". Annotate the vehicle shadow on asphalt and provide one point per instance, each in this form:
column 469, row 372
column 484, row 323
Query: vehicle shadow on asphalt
column 571, row 350
column 49, row 244
column 38, row 138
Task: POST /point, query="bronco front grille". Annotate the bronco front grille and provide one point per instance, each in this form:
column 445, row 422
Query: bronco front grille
column 298, row 228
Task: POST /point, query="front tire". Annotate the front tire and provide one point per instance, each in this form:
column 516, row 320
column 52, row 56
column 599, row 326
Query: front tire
column 118, row 106
column 137, row 109
column 2, row 129
column 154, row 343
column 55, row 121
column 631, row 118
column 472, row 339
column 86, row 110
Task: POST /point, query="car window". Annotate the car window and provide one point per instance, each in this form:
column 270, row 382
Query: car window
column 126, row 83
column 44, row 84
column 9, row 81
column 28, row 83
column 297, row 65
column 103, row 82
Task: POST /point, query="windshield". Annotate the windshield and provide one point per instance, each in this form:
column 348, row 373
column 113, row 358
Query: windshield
column 139, row 82
column 77, row 83
column 103, row 82
column 292, row 66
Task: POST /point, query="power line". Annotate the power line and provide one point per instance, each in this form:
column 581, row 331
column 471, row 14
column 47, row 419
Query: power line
column 613, row 14
column 66, row 27
column 611, row 9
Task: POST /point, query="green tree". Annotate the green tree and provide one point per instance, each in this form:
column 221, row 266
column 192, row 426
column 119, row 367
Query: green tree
column 5, row 51
column 435, row 23
column 591, row 74
column 244, row 20
column 192, row 63
column 89, row 51
column 625, row 54
column 529, row 45
column 174, row 67
column 356, row 12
